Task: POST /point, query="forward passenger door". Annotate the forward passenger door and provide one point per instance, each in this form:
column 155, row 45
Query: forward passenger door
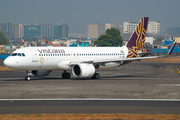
column 34, row 55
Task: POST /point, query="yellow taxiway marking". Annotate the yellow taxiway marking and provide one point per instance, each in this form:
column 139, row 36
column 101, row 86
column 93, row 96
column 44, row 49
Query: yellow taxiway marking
column 177, row 69
column 172, row 70
column 166, row 70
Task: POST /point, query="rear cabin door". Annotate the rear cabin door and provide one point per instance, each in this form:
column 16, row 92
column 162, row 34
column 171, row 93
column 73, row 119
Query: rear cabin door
column 34, row 55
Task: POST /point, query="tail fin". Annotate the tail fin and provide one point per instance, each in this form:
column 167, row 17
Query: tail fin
column 22, row 41
column 138, row 37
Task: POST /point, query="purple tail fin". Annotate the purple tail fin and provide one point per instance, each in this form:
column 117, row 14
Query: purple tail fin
column 137, row 39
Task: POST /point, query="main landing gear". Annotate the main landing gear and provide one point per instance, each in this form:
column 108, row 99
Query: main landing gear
column 95, row 76
column 66, row 75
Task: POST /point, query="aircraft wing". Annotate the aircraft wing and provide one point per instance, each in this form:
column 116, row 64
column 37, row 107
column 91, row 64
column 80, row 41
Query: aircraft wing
column 111, row 60
column 120, row 59
column 144, row 53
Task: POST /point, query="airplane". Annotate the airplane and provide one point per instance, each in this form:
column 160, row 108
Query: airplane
column 82, row 61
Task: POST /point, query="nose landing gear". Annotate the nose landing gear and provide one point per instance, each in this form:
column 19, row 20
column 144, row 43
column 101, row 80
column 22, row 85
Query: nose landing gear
column 30, row 74
column 28, row 78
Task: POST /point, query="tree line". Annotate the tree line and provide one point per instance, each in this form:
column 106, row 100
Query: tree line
column 111, row 37
column 3, row 39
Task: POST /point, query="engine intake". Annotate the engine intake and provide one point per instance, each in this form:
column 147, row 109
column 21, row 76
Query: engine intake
column 83, row 70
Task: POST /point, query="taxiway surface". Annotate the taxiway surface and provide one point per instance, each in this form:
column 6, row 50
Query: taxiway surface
column 90, row 106
column 131, row 81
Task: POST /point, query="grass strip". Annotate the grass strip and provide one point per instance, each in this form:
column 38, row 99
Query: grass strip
column 4, row 68
column 90, row 117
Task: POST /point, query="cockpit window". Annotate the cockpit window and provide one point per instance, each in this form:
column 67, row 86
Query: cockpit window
column 18, row 54
column 23, row 54
column 14, row 54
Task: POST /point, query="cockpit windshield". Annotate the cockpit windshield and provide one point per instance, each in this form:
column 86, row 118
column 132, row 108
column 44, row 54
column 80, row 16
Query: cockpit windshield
column 18, row 54
column 14, row 54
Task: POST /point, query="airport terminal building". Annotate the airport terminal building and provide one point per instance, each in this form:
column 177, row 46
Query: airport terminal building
column 38, row 30
column 42, row 30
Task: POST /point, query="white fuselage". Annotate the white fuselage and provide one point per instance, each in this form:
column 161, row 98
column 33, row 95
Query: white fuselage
column 51, row 58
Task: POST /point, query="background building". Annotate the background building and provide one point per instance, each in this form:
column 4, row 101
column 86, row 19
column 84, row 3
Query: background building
column 120, row 28
column 19, row 30
column 47, row 30
column 153, row 27
column 61, row 31
column 95, row 30
column 129, row 27
column 7, row 29
column 176, row 39
column 101, row 29
column 65, row 30
column 76, row 35
column 107, row 26
column 32, row 31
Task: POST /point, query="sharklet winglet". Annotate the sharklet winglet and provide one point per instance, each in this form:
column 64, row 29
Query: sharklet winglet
column 170, row 51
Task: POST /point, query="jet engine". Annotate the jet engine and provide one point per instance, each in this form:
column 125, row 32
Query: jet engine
column 39, row 72
column 83, row 70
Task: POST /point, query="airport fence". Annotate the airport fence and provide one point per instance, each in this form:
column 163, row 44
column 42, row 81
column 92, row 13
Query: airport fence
column 157, row 52
column 3, row 56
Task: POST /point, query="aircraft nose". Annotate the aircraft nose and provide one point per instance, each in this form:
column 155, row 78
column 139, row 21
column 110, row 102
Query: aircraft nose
column 8, row 62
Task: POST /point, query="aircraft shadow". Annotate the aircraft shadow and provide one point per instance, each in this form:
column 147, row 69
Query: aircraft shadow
column 59, row 78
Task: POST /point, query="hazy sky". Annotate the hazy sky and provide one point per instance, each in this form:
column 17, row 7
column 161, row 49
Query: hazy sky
column 79, row 13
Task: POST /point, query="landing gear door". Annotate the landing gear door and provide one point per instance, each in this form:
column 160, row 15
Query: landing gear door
column 34, row 55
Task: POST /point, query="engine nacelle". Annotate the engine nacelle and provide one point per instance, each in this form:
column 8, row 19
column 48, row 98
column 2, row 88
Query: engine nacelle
column 83, row 70
column 40, row 72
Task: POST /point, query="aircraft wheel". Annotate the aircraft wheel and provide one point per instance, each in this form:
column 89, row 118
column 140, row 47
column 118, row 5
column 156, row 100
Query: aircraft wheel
column 63, row 75
column 28, row 78
column 68, row 75
column 95, row 76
